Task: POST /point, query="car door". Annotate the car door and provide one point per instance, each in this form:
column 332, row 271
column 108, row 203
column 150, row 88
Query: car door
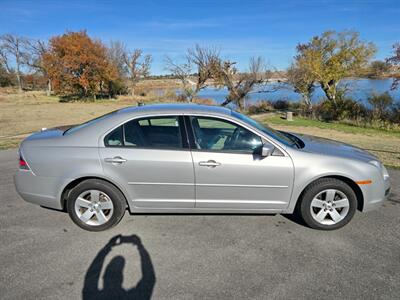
column 150, row 156
column 229, row 170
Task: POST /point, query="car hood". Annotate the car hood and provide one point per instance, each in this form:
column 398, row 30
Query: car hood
column 325, row 146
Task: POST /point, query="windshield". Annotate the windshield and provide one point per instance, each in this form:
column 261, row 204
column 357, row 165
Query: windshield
column 284, row 139
column 83, row 125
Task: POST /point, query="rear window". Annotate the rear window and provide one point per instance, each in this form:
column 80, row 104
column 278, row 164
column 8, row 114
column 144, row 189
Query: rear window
column 90, row 122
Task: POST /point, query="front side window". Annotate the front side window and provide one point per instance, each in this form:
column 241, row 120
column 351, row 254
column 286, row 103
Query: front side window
column 220, row 135
column 153, row 132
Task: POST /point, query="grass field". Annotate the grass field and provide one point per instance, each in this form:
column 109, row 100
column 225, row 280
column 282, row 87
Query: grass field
column 21, row 114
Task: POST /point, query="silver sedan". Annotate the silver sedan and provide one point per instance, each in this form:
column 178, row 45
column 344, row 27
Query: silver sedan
column 195, row 159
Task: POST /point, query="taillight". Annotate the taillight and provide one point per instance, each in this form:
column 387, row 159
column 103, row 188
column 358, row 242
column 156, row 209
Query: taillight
column 22, row 163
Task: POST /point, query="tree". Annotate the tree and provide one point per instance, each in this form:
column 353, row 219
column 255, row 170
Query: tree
column 116, row 53
column 37, row 50
column 78, row 65
column 333, row 56
column 239, row 85
column 12, row 48
column 395, row 61
column 378, row 68
column 183, row 72
column 302, row 82
column 138, row 67
column 5, row 76
column 201, row 61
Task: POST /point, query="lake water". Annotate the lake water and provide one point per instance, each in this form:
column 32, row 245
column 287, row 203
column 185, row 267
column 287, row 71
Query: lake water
column 359, row 89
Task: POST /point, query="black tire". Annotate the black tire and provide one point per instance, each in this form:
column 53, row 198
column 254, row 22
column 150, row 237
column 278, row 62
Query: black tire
column 114, row 194
column 304, row 209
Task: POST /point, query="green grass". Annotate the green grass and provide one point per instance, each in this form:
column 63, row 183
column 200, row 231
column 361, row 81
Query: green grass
column 348, row 128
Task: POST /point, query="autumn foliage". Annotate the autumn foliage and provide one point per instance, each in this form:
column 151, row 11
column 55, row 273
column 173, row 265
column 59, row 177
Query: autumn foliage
column 78, row 65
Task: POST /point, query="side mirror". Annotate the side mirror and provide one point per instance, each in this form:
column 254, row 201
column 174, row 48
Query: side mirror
column 267, row 150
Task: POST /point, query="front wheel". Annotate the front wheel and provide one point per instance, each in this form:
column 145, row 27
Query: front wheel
column 96, row 205
column 328, row 204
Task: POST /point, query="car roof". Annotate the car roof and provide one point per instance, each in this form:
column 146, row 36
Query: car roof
column 175, row 108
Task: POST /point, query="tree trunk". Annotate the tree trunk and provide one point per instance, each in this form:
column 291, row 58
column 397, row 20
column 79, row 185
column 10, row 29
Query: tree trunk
column 17, row 61
column 240, row 103
column 133, row 90
column 327, row 92
column 226, row 102
column 48, row 91
column 19, row 82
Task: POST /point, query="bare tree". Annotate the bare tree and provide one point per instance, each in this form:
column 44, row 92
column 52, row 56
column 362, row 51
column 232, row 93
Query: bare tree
column 4, row 61
column 36, row 50
column 12, row 48
column 205, row 59
column 239, row 85
column 183, row 73
column 116, row 54
column 199, row 60
column 138, row 67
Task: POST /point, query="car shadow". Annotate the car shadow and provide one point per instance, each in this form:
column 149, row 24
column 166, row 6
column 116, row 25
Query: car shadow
column 113, row 275
column 296, row 218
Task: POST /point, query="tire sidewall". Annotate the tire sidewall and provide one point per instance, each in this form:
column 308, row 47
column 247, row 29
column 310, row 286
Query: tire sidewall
column 115, row 195
column 317, row 187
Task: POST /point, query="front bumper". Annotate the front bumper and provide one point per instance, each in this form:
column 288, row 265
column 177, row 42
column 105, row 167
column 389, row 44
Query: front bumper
column 37, row 189
column 375, row 194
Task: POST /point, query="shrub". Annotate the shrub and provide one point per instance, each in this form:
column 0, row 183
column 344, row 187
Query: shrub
column 259, row 107
column 394, row 115
column 281, row 104
column 381, row 104
column 204, row 101
column 181, row 98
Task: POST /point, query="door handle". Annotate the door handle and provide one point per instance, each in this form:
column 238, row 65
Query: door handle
column 209, row 163
column 115, row 160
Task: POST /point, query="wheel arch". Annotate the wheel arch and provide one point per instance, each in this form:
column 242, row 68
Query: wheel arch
column 354, row 186
column 68, row 188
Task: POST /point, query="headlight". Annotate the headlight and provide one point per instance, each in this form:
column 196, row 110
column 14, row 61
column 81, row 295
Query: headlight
column 381, row 167
column 385, row 173
column 376, row 163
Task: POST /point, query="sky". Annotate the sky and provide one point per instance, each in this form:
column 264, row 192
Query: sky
column 239, row 29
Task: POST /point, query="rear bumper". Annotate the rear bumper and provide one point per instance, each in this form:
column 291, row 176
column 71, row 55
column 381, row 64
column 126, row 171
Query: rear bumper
column 37, row 189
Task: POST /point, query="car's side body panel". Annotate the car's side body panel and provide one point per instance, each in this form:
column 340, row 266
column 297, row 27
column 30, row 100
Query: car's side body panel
column 153, row 178
column 310, row 167
column 242, row 181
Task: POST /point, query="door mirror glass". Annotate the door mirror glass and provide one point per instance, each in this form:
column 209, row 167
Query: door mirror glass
column 267, row 150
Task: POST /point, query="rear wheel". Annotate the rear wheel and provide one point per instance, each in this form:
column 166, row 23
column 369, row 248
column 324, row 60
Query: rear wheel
column 96, row 205
column 328, row 204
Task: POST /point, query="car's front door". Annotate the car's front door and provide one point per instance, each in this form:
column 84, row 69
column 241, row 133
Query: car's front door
column 150, row 156
column 230, row 172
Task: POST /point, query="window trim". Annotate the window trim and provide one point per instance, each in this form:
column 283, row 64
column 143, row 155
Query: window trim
column 193, row 145
column 181, row 126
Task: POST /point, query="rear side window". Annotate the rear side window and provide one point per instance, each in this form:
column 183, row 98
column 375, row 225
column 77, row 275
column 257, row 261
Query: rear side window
column 155, row 132
column 114, row 138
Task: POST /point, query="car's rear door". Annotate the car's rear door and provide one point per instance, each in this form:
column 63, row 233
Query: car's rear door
column 150, row 156
column 230, row 173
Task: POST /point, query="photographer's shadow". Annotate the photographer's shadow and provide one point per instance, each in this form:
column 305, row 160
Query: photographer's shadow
column 113, row 275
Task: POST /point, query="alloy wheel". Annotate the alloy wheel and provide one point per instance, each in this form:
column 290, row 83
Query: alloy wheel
column 329, row 207
column 94, row 207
